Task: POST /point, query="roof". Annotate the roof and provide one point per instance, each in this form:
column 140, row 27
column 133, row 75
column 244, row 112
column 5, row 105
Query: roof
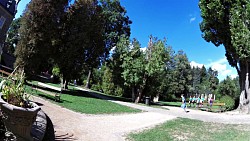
column 12, row 6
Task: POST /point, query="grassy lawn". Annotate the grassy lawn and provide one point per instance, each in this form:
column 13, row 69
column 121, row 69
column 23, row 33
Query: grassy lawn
column 175, row 104
column 178, row 104
column 183, row 129
column 113, row 97
column 82, row 102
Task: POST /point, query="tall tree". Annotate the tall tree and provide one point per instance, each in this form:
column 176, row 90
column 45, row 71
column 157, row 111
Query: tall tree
column 116, row 60
column 181, row 75
column 39, row 33
column 157, row 59
column 227, row 23
column 81, row 42
column 116, row 23
column 213, row 79
column 134, row 70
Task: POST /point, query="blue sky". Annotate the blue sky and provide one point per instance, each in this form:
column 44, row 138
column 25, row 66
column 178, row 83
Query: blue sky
column 178, row 21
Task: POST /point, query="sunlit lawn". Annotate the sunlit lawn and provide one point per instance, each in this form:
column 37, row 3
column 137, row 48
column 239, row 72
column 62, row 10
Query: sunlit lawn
column 84, row 103
column 183, row 129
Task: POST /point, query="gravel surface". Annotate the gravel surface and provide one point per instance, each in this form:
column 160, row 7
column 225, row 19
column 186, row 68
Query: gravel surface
column 70, row 125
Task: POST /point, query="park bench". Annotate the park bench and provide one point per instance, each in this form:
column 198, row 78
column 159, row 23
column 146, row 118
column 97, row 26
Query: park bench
column 4, row 72
column 56, row 95
column 208, row 107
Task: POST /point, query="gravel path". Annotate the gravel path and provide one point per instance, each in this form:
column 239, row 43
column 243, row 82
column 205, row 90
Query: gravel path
column 71, row 125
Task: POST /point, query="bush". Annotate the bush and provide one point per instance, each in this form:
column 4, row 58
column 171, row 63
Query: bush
column 96, row 87
column 229, row 101
column 118, row 91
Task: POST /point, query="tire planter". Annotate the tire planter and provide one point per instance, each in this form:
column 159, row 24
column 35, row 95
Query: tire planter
column 19, row 120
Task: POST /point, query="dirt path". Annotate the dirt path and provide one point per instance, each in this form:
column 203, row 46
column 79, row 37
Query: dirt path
column 71, row 125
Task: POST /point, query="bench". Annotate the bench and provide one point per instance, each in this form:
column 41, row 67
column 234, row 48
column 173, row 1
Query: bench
column 5, row 72
column 214, row 104
column 56, row 95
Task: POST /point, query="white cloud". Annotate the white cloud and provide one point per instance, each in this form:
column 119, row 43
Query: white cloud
column 220, row 61
column 219, row 67
column 194, row 64
column 143, row 49
column 192, row 19
column 222, row 67
column 226, row 72
column 233, row 76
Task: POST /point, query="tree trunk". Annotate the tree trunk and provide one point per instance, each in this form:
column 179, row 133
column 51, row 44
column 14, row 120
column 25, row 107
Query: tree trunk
column 139, row 95
column 133, row 94
column 88, row 79
column 64, row 83
column 156, row 98
column 141, row 89
column 244, row 105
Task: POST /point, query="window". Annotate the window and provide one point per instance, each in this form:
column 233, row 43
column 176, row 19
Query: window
column 2, row 20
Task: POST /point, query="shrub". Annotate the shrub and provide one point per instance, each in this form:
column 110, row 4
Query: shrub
column 118, row 91
column 96, row 87
column 229, row 101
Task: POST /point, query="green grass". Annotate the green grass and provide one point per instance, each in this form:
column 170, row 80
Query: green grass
column 193, row 130
column 175, row 104
column 83, row 102
column 113, row 97
column 178, row 104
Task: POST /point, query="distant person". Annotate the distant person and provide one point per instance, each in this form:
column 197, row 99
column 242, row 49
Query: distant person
column 198, row 101
column 75, row 82
column 194, row 100
column 211, row 100
column 190, row 100
column 202, row 101
column 183, row 105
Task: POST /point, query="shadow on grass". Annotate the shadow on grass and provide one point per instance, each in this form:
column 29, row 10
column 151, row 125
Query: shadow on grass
column 100, row 95
column 167, row 104
column 53, row 99
column 80, row 93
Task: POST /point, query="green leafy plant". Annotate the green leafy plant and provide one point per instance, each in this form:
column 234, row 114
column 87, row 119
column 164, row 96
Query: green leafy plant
column 13, row 90
column 229, row 101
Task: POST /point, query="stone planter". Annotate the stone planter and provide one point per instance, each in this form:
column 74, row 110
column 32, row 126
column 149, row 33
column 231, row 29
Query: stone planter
column 19, row 120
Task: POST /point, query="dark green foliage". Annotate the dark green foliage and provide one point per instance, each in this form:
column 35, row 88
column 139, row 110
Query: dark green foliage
column 39, row 31
column 108, row 85
column 229, row 101
column 181, row 75
column 134, row 66
column 229, row 87
column 116, row 22
column 115, row 63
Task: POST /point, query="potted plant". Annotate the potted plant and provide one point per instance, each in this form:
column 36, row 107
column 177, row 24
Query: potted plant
column 18, row 111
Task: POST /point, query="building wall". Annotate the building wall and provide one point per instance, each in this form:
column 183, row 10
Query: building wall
column 8, row 19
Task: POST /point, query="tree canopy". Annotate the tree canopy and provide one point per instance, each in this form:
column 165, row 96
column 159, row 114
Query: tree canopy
column 227, row 23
